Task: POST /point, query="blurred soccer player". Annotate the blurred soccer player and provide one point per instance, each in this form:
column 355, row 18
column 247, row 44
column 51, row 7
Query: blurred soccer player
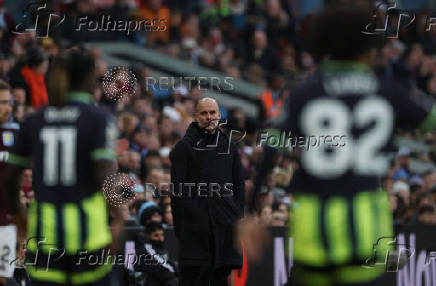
column 341, row 220
column 69, row 145
column 8, row 231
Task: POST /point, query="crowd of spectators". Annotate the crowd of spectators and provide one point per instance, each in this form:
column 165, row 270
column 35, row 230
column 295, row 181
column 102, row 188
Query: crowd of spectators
column 260, row 41
column 256, row 41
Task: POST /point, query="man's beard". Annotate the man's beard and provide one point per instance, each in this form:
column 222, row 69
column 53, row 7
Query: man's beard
column 210, row 127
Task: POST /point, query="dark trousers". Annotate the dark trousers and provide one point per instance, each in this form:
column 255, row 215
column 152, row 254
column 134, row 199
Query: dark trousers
column 203, row 276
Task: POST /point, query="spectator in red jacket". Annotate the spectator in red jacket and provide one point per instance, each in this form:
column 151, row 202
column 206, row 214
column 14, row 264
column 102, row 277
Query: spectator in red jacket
column 30, row 76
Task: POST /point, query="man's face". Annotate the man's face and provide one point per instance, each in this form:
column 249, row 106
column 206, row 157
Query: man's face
column 208, row 115
column 158, row 235
column 5, row 105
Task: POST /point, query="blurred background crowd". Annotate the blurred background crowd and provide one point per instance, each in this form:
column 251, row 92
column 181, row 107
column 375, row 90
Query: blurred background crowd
column 260, row 41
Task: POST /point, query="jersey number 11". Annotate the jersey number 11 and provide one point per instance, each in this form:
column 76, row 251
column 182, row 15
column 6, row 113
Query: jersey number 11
column 53, row 138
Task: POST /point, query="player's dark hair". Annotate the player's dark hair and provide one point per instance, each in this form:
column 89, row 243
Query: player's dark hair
column 4, row 85
column 152, row 227
column 57, row 81
column 71, row 71
column 338, row 33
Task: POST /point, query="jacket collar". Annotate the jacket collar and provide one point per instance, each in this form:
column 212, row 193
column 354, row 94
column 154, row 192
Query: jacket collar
column 83, row 97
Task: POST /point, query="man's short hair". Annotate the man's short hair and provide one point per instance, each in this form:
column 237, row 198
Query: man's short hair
column 152, row 227
column 201, row 99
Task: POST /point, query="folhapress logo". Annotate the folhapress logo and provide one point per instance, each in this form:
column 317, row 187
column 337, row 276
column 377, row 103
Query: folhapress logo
column 38, row 18
column 391, row 18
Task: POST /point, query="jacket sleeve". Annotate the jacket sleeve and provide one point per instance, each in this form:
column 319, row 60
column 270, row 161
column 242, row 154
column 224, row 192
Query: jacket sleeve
column 238, row 180
column 179, row 167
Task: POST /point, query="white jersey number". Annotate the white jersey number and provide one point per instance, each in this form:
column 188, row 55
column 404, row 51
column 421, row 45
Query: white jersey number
column 52, row 138
column 332, row 117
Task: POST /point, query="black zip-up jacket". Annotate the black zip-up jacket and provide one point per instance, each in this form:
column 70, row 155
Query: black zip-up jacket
column 208, row 198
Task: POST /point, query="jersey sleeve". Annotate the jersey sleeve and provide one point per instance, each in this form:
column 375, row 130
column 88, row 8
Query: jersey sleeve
column 20, row 153
column 105, row 134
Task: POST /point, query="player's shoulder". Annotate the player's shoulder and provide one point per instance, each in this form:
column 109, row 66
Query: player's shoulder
column 33, row 118
column 310, row 87
column 302, row 92
column 93, row 110
column 395, row 90
column 393, row 86
column 95, row 114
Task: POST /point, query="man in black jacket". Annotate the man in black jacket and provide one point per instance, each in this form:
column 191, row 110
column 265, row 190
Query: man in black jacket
column 207, row 199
